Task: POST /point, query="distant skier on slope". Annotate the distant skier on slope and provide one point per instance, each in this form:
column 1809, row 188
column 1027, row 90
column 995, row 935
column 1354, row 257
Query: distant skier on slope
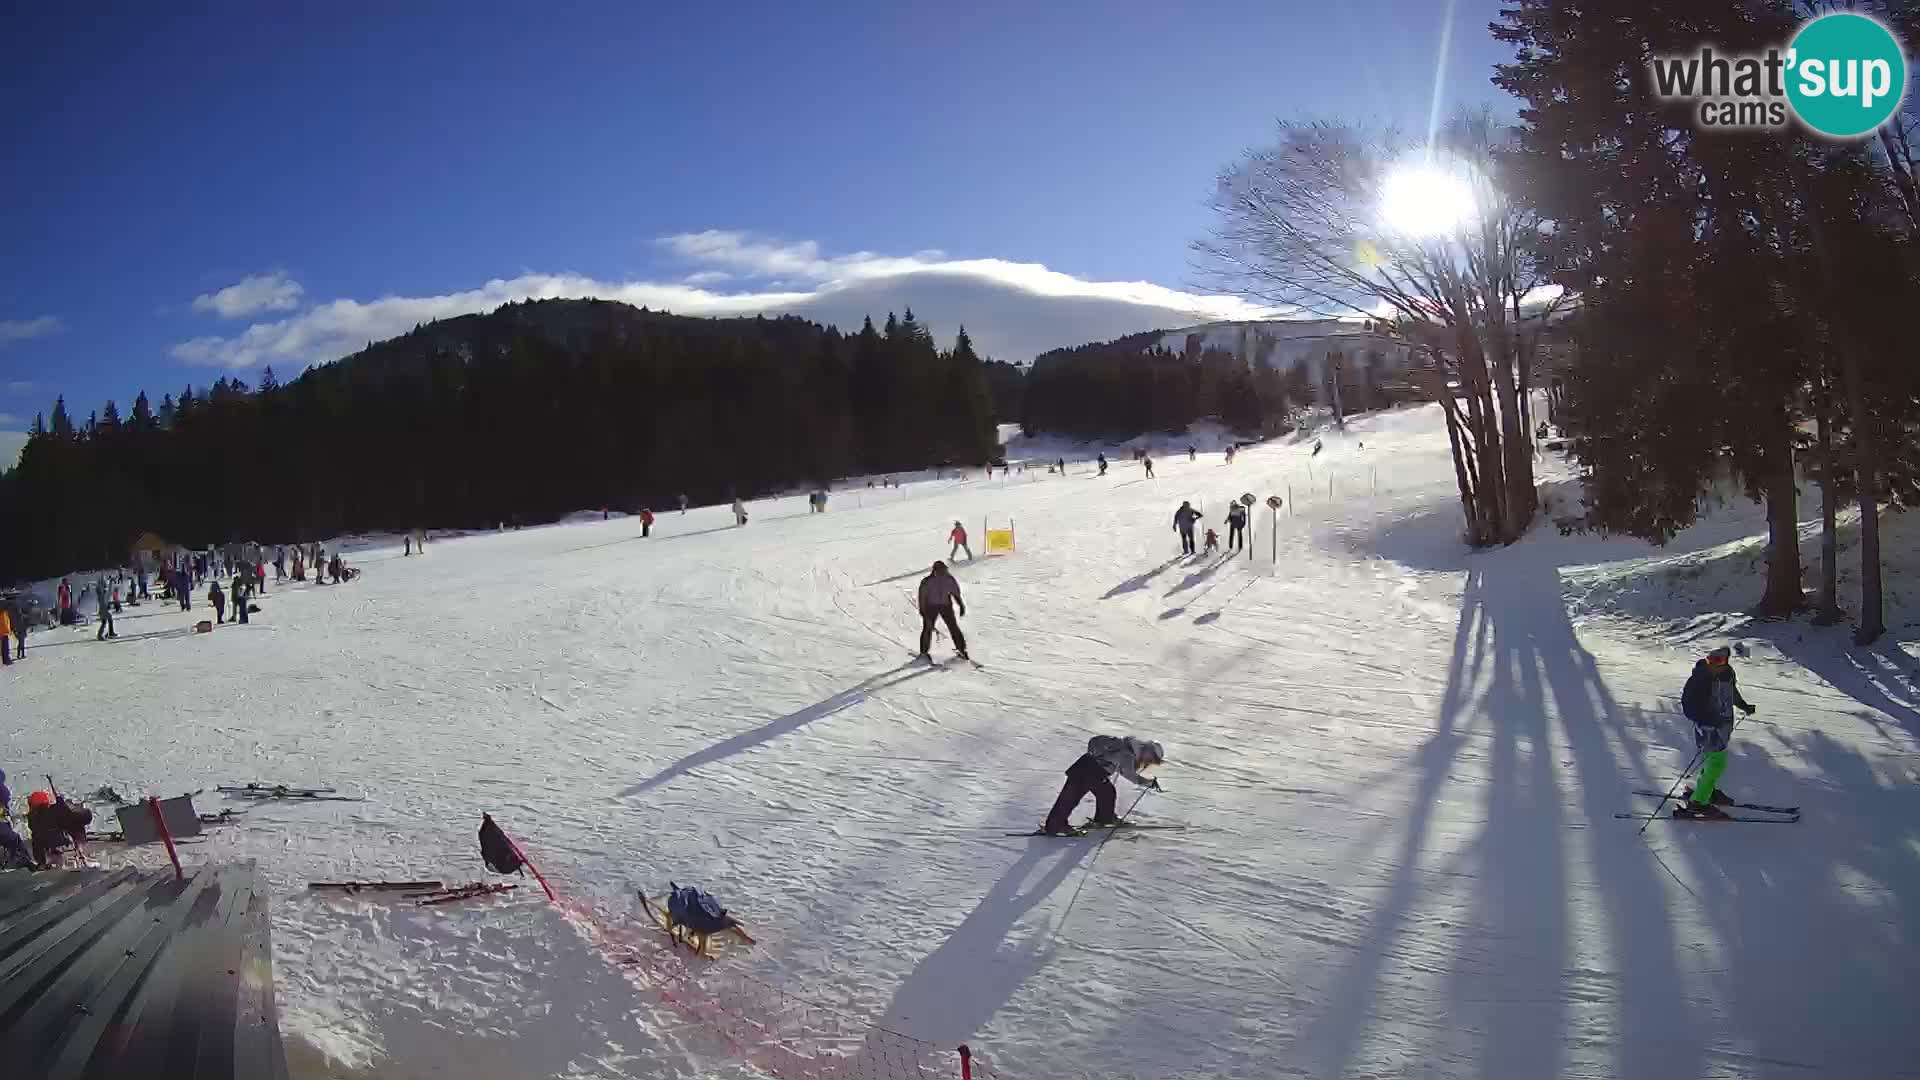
column 1192, row 453
column 959, row 539
column 1147, row 461
column 1103, row 464
column 103, row 610
column 939, row 596
column 646, row 522
column 219, row 601
column 1183, row 522
column 1093, row 773
column 1709, row 698
column 739, row 512
column 1236, row 526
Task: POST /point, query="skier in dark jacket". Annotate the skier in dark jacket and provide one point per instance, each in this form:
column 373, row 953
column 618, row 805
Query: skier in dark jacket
column 219, row 601
column 1103, row 464
column 1236, row 526
column 1183, row 522
column 103, row 611
column 1709, row 698
column 240, row 591
column 1093, row 772
column 939, row 595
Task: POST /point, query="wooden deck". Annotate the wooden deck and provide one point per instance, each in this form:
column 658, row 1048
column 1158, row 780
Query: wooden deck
column 130, row 973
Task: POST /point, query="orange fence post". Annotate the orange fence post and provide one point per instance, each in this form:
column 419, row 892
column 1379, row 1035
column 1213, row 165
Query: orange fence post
column 160, row 822
column 515, row 844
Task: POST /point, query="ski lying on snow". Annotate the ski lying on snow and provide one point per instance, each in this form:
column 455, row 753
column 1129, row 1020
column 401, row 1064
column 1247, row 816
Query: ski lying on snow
column 431, row 885
column 1750, row 819
column 277, row 789
column 1742, row 805
column 459, row 892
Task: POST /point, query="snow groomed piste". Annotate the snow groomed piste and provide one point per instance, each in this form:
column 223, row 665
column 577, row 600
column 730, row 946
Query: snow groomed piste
column 1392, row 774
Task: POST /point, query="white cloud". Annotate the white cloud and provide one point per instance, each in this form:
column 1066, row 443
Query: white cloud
column 19, row 386
column 22, row 329
column 252, row 295
column 706, row 277
column 11, row 443
column 1013, row 310
column 7, row 419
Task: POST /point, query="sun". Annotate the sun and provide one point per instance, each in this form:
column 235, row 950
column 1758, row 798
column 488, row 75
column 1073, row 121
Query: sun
column 1424, row 200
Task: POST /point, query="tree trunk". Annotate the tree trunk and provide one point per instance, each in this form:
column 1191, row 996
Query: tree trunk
column 1866, row 477
column 1483, row 423
column 1450, row 408
column 1827, row 611
column 1866, row 460
column 1783, row 596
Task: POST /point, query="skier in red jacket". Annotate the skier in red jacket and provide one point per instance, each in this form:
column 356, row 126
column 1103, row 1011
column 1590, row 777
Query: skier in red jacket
column 959, row 538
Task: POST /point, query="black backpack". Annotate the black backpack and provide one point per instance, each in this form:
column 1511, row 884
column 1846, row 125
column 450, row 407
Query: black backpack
column 495, row 849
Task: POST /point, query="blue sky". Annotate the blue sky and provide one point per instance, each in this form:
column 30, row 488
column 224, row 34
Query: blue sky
column 187, row 197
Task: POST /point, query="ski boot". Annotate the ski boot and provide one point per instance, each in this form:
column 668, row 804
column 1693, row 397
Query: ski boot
column 1720, row 796
column 1693, row 810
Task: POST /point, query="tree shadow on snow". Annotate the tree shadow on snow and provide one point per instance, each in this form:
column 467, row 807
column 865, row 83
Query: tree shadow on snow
column 1516, row 669
column 1140, row 581
column 1821, row 920
column 956, row 988
column 767, row 732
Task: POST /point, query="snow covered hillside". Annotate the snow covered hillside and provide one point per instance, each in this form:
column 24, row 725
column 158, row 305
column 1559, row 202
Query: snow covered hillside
column 1396, row 765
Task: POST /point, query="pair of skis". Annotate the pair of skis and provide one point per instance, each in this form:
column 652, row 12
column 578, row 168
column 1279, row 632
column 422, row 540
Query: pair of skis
column 1760, row 813
column 1088, row 828
column 285, row 791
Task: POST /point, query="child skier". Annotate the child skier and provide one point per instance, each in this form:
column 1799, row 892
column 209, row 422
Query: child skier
column 1708, row 700
column 1213, row 542
column 1094, row 772
column 219, row 601
column 646, row 522
column 959, row 538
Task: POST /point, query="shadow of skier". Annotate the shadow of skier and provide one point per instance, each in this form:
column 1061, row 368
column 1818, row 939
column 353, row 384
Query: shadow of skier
column 785, row 725
column 977, row 956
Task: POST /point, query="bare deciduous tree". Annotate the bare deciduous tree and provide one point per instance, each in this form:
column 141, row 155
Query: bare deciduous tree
column 1319, row 223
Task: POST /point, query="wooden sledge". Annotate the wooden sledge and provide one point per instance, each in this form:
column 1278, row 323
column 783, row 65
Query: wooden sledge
column 697, row 941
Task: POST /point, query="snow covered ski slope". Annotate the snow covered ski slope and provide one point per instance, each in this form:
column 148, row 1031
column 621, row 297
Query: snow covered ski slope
column 1397, row 766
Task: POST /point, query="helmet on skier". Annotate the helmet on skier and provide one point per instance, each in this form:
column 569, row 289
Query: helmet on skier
column 1153, row 753
column 1719, row 656
column 39, row 800
column 939, row 567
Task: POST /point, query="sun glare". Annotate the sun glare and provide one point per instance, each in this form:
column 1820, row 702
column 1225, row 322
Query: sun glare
column 1423, row 200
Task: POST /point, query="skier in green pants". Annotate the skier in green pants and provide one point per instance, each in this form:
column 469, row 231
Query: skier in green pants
column 1709, row 699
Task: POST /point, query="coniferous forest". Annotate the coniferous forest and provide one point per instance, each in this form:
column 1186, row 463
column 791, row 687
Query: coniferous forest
column 1122, row 388
column 520, row 415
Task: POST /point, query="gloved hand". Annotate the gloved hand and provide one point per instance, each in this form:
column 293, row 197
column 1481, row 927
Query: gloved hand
column 1154, row 784
column 1751, row 710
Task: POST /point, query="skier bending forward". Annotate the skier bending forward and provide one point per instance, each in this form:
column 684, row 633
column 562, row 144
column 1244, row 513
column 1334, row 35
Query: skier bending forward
column 939, row 595
column 1093, row 772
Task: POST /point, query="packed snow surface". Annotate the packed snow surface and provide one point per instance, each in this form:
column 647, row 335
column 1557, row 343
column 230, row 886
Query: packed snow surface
column 1398, row 766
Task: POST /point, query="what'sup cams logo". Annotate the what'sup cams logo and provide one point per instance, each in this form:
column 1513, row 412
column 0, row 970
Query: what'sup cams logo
column 1842, row 75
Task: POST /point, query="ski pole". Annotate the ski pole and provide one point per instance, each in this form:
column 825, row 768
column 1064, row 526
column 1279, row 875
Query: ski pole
column 1676, row 787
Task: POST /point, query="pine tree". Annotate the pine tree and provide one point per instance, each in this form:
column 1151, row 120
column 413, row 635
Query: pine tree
column 62, row 424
